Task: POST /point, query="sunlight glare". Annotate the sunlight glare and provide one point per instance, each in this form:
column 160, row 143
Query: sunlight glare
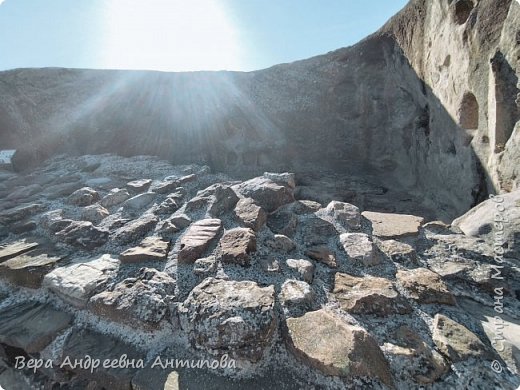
column 169, row 35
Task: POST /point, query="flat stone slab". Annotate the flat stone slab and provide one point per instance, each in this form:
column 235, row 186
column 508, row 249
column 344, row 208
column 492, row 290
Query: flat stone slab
column 31, row 326
column 150, row 249
column 16, row 248
column 99, row 346
column 324, row 341
column 28, row 269
column 198, row 238
column 369, row 295
column 387, row 225
column 77, row 282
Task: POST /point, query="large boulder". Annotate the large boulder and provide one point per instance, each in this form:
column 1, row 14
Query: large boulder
column 497, row 220
column 230, row 317
column 142, row 301
column 197, row 239
column 369, row 295
column 326, row 342
column 267, row 194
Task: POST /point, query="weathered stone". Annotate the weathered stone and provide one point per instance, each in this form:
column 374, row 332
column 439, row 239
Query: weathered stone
column 387, row 225
column 205, row 266
column 83, row 234
column 418, row 359
column 140, row 201
column 303, row 267
column 346, row 214
column 16, row 248
column 266, row 193
column 81, row 342
column 285, row 179
column 31, row 326
column 114, row 197
column 425, row 286
column 230, row 317
column 369, row 295
column 77, row 282
column 317, row 231
column 165, row 186
column 360, row 248
column 136, row 229
column 150, row 249
column 398, row 251
column 84, row 197
column 283, row 222
column 250, row 215
column 281, row 243
column 95, row 213
column 20, row 212
column 138, row 186
column 28, row 269
column 167, row 206
column 324, row 341
column 455, row 341
column 142, row 301
column 236, row 246
column 322, row 254
column 216, row 200
column 296, row 294
column 197, row 239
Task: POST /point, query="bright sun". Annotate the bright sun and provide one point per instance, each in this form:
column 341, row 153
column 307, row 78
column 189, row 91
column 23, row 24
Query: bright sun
column 169, row 35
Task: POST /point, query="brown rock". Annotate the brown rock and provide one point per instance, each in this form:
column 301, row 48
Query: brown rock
column 267, row 194
column 197, row 239
column 324, row 341
column 249, row 214
column 236, row 245
column 322, row 254
column 150, row 249
column 425, row 286
column 369, row 295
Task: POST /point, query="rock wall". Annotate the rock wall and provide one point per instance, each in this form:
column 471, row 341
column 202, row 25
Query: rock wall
column 408, row 105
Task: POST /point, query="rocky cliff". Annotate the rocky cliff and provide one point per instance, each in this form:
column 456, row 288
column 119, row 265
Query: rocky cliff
column 418, row 104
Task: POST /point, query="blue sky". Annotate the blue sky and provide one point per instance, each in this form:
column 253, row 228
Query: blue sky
column 180, row 35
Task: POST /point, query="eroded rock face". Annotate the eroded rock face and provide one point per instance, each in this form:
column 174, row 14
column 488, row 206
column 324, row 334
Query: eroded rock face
column 369, row 295
column 77, row 282
column 425, row 286
column 323, row 340
column 141, row 301
column 199, row 236
column 230, row 317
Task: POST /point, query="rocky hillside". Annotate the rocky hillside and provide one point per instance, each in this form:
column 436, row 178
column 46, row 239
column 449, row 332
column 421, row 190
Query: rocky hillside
column 417, row 104
column 108, row 256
